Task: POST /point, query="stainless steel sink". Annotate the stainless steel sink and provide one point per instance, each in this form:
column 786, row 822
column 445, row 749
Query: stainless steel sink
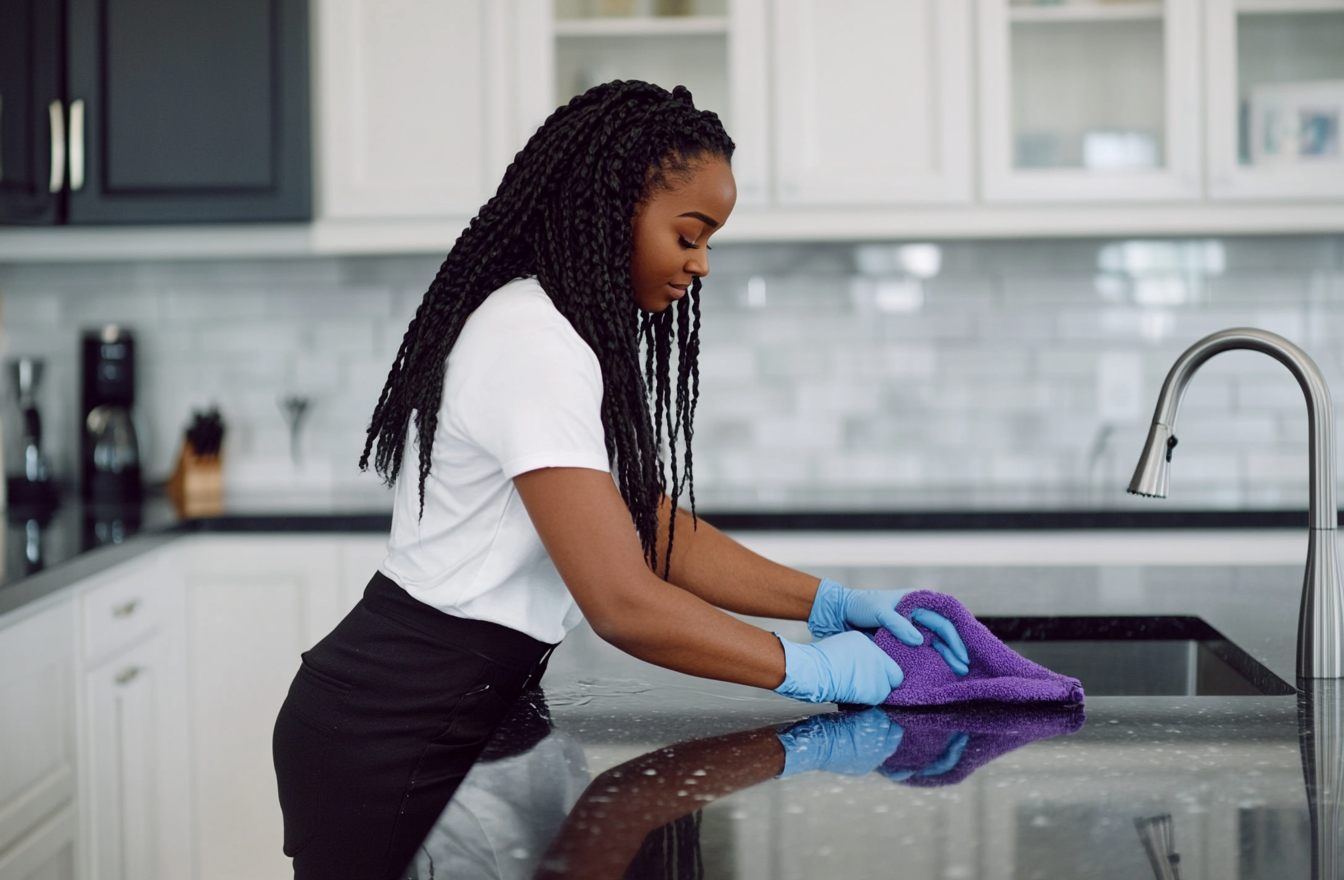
column 1139, row 656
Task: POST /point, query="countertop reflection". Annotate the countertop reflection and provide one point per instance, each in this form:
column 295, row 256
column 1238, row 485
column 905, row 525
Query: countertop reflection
column 40, row 537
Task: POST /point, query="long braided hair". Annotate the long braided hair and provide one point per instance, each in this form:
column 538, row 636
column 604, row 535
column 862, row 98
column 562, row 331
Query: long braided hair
column 563, row 215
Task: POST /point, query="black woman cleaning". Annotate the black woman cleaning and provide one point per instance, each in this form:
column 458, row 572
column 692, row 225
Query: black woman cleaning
column 521, row 425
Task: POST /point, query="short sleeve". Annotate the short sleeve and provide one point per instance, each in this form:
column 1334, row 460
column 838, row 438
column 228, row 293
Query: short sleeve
column 529, row 393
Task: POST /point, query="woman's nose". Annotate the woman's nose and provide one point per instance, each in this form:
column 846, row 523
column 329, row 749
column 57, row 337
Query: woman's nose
column 698, row 263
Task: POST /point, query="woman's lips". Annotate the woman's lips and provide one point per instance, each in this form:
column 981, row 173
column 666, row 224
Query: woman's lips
column 678, row 290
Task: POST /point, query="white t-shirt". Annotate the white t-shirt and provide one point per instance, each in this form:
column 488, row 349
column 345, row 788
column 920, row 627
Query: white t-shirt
column 522, row 391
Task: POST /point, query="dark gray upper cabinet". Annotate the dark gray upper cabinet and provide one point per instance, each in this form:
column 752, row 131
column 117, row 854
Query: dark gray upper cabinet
column 182, row 111
column 32, row 89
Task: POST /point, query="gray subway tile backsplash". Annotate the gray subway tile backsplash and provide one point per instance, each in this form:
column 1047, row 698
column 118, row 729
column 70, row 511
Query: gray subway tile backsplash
column 1022, row 373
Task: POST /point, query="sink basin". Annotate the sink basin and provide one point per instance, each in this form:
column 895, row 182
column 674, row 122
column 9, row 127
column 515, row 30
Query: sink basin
column 1139, row 656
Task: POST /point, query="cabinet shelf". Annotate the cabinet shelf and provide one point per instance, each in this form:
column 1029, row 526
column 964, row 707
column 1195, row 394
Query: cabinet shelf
column 1087, row 12
column 1289, row 6
column 641, row 26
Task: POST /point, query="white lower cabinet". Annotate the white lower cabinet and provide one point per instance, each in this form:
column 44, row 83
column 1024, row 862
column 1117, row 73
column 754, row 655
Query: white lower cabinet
column 136, row 707
column 38, row 826
column 135, row 796
column 254, row 604
column 135, row 800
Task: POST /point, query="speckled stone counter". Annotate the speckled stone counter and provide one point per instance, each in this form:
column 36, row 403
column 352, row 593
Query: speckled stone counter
column 1211, row 787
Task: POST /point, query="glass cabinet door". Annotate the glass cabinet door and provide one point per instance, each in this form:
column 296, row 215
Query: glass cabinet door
column 1089, row 100
column 716, row 48
column 1275, row 96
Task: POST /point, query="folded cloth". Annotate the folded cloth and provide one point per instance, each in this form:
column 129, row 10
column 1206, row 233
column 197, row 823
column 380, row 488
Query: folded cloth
column 944, row 746
column 998, row 673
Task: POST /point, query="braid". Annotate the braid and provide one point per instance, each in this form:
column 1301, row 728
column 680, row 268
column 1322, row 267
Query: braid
column 563, row 215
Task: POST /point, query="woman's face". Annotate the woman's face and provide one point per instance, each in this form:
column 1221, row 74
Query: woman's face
column 670, row 240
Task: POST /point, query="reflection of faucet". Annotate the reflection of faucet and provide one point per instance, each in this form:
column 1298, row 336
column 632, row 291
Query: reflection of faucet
column 1320, row 628
column 1320, row 716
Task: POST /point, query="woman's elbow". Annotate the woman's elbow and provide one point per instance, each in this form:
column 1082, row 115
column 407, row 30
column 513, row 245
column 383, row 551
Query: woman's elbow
column 618, row 620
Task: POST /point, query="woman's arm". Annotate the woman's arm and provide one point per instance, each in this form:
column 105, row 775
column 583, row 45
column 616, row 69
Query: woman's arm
column 586, row 528
column 727, row 575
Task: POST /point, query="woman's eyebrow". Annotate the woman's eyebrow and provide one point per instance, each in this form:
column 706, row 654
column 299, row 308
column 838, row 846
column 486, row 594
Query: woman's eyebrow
column 703, row 218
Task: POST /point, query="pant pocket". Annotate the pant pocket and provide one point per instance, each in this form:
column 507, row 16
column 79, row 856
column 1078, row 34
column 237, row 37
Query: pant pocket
column 300, row 749
column 318, row 699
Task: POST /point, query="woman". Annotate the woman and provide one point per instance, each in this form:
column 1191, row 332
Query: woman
column 531, row 426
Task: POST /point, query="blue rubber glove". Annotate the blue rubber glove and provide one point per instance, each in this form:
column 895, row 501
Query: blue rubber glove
column 948, row 760
column 848, row 743
column 844, row 668
column 837, row 609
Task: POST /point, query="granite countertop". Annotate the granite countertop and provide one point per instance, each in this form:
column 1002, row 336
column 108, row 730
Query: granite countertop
column 625, row 749
column 1218, row 780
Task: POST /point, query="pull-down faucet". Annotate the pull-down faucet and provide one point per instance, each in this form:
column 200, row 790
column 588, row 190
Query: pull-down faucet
column 1320, row 627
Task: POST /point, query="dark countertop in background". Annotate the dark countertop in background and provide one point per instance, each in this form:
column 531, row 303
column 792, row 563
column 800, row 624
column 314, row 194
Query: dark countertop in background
column 41, row 550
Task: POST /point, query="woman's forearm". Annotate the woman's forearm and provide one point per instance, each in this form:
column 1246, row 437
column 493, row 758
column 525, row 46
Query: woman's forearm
column 713, row 566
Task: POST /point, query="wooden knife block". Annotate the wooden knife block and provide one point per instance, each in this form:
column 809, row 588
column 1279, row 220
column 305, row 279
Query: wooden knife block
column 196, row 487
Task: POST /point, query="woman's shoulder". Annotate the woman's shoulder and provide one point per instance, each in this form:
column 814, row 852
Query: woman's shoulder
column 518, row 306
column 519, row 313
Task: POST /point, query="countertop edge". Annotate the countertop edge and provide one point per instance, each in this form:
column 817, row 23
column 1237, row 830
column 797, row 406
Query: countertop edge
column 24, row 596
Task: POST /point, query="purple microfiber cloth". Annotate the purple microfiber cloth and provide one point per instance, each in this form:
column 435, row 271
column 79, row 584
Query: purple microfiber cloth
column 944, row 746
column 998, row 673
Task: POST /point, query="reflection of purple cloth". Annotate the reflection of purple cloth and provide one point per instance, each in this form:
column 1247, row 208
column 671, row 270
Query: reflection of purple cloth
column 998, row 673
column 991, row 730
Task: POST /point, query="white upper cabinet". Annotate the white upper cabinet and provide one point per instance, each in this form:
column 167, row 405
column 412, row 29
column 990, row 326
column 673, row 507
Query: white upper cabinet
column 1275, row 99
column 1090, row 101
column 872, row 101
column 716, row 48
column 420, row 106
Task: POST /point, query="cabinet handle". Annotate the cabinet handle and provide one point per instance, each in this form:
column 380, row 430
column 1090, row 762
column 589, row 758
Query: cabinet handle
column 2, row 138
column 127, row 675
column 57, row 118
column 77, row 145
column 125, row 609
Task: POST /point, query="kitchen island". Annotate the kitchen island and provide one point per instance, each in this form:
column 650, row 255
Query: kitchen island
column 1227, row 769
column 1216, row 781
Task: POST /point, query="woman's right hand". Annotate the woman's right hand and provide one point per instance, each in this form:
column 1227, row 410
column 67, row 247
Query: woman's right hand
column 844, row 668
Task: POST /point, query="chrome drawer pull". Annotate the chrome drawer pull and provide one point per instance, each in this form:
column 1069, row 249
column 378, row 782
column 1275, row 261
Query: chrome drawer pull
column 77, row 145
column 125, row 609
column 127, row 675
column 57, row 116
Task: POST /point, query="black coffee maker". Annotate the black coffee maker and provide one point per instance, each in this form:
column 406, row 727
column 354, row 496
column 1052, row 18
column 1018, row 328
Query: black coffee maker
column 109, row 451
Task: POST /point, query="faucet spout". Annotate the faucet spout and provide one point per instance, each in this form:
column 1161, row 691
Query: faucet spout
column 1320, row 632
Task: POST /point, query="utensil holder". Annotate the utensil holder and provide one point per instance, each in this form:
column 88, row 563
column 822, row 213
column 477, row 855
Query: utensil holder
column 196, row 487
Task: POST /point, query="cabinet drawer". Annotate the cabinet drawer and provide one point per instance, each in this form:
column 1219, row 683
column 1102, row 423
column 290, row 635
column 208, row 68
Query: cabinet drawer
column 122, row 610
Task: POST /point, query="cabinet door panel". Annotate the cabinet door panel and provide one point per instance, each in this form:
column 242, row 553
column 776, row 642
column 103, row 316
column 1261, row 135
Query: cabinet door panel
column 253, row 606
column 31, row 68
column 242, row 662
column 37, row 773
column 195, row 110
column 48, row 853
column 124, row 699
column 1127, row 81
column 872, row 101
column 403, row 117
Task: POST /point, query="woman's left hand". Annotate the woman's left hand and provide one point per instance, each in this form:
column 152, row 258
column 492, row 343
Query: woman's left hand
column 837, row 609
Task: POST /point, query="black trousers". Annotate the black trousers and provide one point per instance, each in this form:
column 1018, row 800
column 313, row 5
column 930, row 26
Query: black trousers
column 383, row 720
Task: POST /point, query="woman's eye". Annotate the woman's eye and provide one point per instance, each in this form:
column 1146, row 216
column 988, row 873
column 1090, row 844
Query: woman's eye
column 689, row 245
